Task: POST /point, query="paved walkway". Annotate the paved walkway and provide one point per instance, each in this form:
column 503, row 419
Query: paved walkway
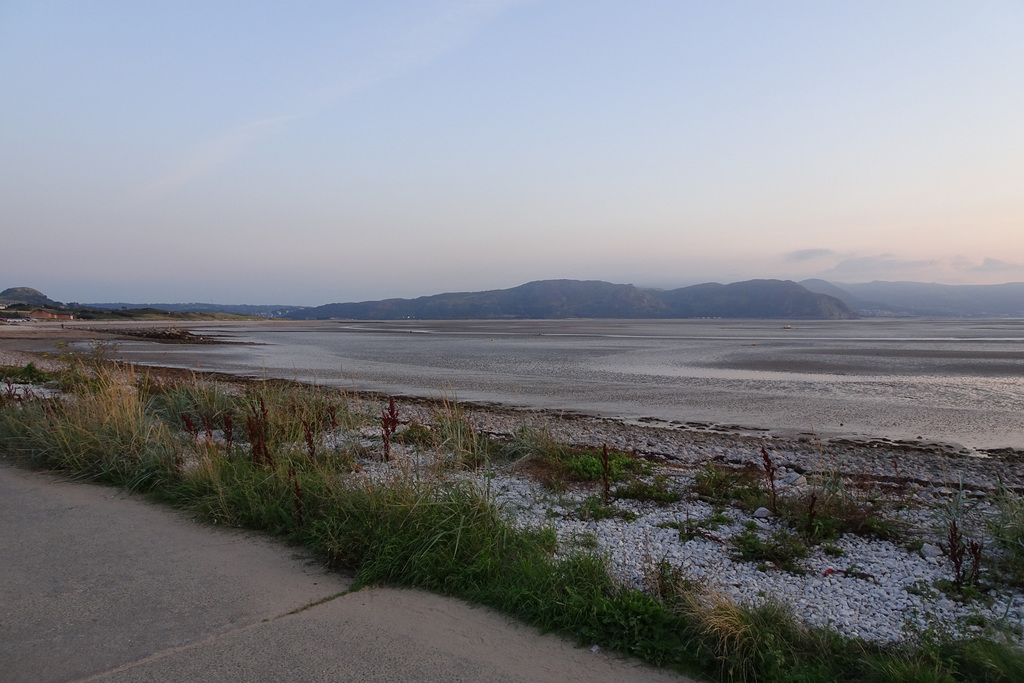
column 97, row 585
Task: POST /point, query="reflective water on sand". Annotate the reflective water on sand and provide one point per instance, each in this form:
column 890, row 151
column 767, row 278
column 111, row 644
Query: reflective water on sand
column 959, row 381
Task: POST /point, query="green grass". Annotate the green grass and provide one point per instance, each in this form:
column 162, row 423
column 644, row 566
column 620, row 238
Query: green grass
column 690, row 529
column 832, row 550
column 724, row 486
column 655, row 491
column 1007, row 527
column 834, row 514
column 821, row 513
column 416, row 434
column 595, row 508
column 781, row 548
column 455, row 435
column 433, row 533
column 450, row 432
column 29, row 374
column 555, row 463
column 106, row 433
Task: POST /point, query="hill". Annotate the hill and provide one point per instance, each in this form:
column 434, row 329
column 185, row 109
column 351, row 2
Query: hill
column 24, row 299
column 881, row 298
column 596, row 299
column 28, row 296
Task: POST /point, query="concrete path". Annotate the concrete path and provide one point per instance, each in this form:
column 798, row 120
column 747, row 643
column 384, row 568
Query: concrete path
column 97, row 585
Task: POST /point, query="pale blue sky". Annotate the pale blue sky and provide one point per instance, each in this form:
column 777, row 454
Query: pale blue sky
column 309, row 152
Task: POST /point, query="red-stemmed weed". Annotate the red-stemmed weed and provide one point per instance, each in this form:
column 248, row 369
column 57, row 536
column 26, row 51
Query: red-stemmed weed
column 190, row 426
column 258, row 424
column 388, row 425
column 299, row 509
column 606, row 470
column 769, row 472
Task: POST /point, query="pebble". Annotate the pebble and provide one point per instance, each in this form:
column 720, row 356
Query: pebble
column 878, row 608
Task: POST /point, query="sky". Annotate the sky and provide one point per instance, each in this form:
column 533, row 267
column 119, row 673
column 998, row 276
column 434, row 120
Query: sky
column 313, row 152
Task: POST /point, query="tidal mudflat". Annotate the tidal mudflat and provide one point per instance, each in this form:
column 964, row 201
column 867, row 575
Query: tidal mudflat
column 959, row 382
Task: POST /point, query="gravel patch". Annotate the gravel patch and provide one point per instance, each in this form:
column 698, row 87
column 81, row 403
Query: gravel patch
column 877, row 590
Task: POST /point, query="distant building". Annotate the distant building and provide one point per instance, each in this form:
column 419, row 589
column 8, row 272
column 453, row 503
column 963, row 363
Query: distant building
column 49, row 314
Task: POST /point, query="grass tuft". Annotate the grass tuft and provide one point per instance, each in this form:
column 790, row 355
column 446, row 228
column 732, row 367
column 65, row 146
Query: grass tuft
column 780, row 548
column 656, row 491
column 1007, row 528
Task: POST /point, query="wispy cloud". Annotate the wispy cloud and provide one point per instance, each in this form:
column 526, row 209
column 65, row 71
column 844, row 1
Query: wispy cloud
column 418, row 47
column 880, row 267
column 210, row 154
column 991, row 265
column 807, row 255
column 423, row 44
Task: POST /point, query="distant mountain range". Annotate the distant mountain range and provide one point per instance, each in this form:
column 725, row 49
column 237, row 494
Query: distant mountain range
column 595, row 299
column 773, row 299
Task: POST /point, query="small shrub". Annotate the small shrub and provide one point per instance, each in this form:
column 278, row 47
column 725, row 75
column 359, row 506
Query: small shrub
column 915, row 545
column 822, row 515
column 725, row 486
column 586, row 465
column 656, row 491
column 964, row 557
column 690, row 529
column 770, row 470
column 670, row 583
column 758, row 642
column 416, row 434
column 105, row 433
column 195, row 396
column 554, row 463
column 29, row 374
column 782, row 549
column 594, row 508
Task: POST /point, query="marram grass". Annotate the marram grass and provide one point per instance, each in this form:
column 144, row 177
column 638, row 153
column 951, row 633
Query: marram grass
column 273, row 457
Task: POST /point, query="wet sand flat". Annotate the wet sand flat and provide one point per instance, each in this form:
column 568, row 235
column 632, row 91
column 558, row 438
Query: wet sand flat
column 953, row 381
